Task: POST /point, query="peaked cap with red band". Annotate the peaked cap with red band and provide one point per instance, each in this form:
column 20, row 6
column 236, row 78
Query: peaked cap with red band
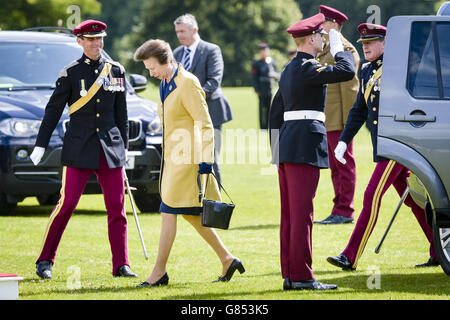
column 90, row 29
column 371, row 32
column 333, row 14
column 307, row 26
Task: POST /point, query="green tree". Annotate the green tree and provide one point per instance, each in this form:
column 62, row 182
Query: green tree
column 438, row 4
column 373, row 11
column 21, row 14
column 120, row 16
column 237, row 26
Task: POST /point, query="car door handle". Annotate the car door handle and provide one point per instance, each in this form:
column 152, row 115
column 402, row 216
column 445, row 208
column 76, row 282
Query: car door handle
column 414, row 118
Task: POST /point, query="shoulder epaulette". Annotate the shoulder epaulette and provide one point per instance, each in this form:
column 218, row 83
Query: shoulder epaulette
column 63, row 72
column 312, row 61
column 117, row 64
column 365, row 65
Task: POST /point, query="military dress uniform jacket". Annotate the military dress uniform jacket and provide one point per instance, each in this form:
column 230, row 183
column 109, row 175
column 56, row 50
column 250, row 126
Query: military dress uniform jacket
column 101, row 123
column 302, row 86
column 188, row 139
column 207, row 65
column 342, row 95
column 366, row 105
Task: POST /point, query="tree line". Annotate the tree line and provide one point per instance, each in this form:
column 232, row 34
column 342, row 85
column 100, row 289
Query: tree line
column 237, row 26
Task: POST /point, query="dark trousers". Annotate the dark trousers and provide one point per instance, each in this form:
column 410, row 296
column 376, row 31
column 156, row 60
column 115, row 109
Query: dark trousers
column 298, row 185
column 73, row 183
column 342, row 176
column 264, row 108
column 386, row 173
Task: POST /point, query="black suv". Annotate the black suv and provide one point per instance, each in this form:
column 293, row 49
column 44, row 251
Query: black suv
column 29, row 65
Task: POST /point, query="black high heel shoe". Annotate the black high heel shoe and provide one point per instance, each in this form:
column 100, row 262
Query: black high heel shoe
column 235, row 265
column 163, row 281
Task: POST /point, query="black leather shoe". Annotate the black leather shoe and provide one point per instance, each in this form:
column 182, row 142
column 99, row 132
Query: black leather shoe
column 341, row 261
column 312, row 284
column 125, row 271
column 334, row 219
column 286, row 284
column 324, row 220
column 235, row 265
column 432, row 262
column 163, row 281
column 44, row 269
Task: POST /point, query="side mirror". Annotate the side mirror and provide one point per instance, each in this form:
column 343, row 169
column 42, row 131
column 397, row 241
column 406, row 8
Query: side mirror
column 138, row 82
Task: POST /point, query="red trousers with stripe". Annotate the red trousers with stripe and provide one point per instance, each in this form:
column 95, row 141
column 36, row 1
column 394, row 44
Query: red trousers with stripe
column 342, row 176
column 386, row 173
column 73, row 183
column 298, row 185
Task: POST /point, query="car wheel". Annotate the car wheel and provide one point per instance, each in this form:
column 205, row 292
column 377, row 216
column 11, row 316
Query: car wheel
column 6, row 208
column 441, row 237
column 48, row 199
column 147, row 202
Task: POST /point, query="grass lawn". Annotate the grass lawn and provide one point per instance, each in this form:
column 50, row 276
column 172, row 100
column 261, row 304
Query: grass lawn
column 253, row 236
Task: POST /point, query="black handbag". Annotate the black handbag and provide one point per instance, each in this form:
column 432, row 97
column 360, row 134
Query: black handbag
column 215, row 214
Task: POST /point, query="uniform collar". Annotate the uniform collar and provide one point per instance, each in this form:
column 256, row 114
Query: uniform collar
column 303, row 55
column 377, row 63
column 95, row 63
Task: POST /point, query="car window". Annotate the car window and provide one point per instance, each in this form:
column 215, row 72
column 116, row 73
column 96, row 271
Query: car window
column 32, row 64
column 443, row 35
column 429, row 61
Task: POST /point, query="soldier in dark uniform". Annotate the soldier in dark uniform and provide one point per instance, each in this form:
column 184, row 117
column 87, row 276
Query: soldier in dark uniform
column 299, row 144
column 387, row 172
column 95, row 142
column 263, row 75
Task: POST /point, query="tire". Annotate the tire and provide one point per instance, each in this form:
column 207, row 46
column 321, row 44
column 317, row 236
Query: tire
column 48, row 199
column 441, row 238
column 6, row 208
column 147, row 202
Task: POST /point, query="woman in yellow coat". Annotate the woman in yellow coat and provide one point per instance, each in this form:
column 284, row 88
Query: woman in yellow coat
column 188, row 150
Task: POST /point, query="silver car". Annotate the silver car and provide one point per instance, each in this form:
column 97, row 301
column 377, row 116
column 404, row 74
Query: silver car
column 414, row 114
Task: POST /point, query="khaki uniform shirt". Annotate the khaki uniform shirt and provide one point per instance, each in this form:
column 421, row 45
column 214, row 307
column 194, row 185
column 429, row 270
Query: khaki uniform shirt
column 340, row 96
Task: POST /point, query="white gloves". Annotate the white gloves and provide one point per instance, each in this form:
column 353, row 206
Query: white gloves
column 335, row 42
column 37, row 154
column 339, row 152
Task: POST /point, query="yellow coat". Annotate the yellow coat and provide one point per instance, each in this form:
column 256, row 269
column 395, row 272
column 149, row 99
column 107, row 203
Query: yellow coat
column 342, row 95
column 188, row 139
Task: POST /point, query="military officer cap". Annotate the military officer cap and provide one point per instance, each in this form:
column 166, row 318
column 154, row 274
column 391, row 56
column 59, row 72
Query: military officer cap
column 307, row 26
column 90, row 29
column 371, row 32
column 332, row 14
column 263, row 45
